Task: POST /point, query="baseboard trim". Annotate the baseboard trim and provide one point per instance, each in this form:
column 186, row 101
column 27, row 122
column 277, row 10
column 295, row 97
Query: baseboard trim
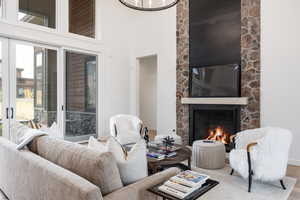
column 294, row 162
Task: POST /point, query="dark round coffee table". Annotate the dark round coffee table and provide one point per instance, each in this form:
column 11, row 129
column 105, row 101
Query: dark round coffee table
column 183, row 154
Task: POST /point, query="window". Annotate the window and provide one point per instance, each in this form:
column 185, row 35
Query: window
column 39, row 12
column 36, row 70
column 1, row 8
column 82, row 17
column 81, row 95
column 1, row 91
column 20, row 93
column 90, row 84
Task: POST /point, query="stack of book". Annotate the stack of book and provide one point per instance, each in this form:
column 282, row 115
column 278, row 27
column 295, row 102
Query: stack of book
column 161, row 146
column 158, row 155
column 184, row 184
column 157, row 152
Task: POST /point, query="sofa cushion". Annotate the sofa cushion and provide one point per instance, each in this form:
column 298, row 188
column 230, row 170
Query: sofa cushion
column 99, row 169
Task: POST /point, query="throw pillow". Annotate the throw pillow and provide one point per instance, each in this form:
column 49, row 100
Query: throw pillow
column 18, row 131
column 52, row 131
column 96, row 145
column 29, row 136
column 132, row 165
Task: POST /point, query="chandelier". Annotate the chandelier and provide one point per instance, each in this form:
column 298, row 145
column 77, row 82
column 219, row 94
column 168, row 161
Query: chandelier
column 149, row 5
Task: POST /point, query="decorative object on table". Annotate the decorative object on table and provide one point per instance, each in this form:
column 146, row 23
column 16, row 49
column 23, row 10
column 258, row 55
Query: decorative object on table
column 268, row 147
column 187, row 185
column 209, row 155
column 168, row 143
column 146, row 136
column 159, row 138
column 149, row 5
column 126, row 128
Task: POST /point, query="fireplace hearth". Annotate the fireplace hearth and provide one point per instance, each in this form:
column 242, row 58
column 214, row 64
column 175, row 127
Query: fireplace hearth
column 214, row 122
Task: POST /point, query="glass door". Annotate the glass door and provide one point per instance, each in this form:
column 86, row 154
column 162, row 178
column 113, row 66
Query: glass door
column 33, row 83
column 80, row 96
column 4, row 89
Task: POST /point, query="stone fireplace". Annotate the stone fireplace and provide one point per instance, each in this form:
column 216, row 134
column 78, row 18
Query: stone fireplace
column 195, row 120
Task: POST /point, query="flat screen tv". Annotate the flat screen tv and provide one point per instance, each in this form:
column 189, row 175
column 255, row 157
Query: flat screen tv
column 215, row 81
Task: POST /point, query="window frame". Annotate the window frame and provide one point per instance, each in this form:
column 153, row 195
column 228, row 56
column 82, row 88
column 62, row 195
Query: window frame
column 61, row 21
column 10, row 18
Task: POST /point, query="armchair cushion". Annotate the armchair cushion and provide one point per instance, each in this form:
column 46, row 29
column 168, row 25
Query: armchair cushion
column 124, row 124
column 128, row 137
column 128, row 128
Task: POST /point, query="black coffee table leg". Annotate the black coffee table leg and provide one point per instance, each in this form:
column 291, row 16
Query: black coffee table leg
column 181, row 166
column 189, row 163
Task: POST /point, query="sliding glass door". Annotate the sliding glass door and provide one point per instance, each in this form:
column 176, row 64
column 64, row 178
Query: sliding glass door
column 4, row 88
column 80, row 95
column 1, row 90
column 29, row 92
column 34, row 83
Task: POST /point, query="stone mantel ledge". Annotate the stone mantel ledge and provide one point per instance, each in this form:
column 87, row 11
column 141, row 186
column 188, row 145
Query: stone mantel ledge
column 217, row 101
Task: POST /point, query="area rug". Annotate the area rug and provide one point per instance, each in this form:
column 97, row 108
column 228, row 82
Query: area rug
column 236, row 188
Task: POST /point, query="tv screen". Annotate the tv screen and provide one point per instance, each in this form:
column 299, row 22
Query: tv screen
column 215, row 81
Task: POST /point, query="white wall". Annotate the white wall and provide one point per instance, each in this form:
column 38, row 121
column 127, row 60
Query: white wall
column 124, row 34
column 154, row 33
column 280, row 100
column 128, row 35
column 113, row 27
column 148, row 91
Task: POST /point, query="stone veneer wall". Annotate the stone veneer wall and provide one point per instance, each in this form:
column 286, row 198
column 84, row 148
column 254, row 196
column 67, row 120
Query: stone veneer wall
column 250, row 52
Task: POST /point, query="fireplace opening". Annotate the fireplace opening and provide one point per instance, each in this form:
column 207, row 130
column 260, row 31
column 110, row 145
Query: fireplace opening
column 214, row 122
column 219, row 134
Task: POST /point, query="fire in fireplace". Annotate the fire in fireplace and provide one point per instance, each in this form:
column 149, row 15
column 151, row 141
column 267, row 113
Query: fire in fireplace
column 219, row 134
column 214, row 122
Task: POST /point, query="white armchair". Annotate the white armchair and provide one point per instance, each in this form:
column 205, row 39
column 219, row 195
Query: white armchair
column 261, row 154
column 126, row 128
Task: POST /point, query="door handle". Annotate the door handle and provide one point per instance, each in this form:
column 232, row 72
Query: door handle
column 7, row 111
column 12, row 113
